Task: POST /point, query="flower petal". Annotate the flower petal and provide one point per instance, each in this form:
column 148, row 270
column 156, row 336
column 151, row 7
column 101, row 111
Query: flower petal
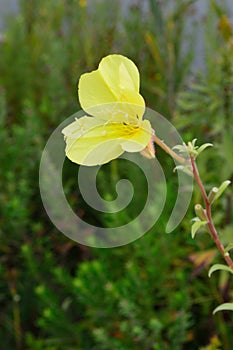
column 89, row 142
column 112, row 90
column 119, row 72
column 140, row 139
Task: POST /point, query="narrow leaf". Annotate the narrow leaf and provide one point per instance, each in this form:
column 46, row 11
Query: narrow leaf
column 224, row 307
column 179, row 147
column 217, row 267
column 196, row 226
column 194, row 142
column 221, row 189
column 228, row 247
column 183, row 168
column 200, row 149
column 196, row 219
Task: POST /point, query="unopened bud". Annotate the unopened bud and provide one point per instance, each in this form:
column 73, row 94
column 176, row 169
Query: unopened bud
column 212, row 194
column 200, row 212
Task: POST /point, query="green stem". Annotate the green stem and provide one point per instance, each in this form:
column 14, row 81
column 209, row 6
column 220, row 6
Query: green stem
column 168, row 150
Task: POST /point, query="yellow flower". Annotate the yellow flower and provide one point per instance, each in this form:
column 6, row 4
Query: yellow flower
column 82, row 3
column 110, row 96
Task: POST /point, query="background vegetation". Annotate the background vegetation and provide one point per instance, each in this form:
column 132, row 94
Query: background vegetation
column 153, row 293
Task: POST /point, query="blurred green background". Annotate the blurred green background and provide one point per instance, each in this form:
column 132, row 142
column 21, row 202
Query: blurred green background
column 153, row 294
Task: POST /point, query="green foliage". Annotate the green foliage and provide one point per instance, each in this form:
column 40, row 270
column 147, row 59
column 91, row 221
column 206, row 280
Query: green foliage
column 224, row 307
column 123, row 308
column 206, row 105
column 196, row 226
column 217, row 267
column 152, row 294
column 170, row 59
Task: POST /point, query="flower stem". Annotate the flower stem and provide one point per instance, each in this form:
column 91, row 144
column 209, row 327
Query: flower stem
column 212, row 229
column 210, row 223
column 168, row 149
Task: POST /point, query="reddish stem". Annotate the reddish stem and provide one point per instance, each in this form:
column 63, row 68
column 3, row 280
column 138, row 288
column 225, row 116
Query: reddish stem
column 210, row 223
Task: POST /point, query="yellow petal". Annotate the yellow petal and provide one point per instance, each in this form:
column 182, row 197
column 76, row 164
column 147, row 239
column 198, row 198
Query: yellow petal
column 89, row 142
column 113, row 86
column 140, row 139
column 80, row 126
column 119, row 72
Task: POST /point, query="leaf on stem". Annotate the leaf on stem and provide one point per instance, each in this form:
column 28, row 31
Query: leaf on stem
column 224, row 307
column 221, row 189
column 203, row 147
column 185, row 168
column 228, row 247
column 191, row 148
column 196, row 226
column 218, row 267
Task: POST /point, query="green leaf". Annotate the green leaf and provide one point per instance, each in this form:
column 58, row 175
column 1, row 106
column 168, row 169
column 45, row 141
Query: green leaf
column 228, row 247
column 224, row 307
column 201, row 149
column 157, row 13
column 196, row 226
column 193, row 142
column 179, row 167
column 196, row 219
column 221, row 267
column 217, row 8
column 183, row 168
column 226, row 148
column 179, row 147
column 221, row 189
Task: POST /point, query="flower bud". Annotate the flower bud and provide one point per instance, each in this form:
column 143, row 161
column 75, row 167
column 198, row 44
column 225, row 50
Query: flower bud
column 212, row 194
column 200, row 212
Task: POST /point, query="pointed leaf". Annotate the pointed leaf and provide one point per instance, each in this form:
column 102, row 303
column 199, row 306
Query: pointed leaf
column 194, row 142
column 224, row 307
column 221, row 189
column 200, row 149
column 196, row 219
column 183, row 168
column 228, row 247
column 196, row 226
column 178, row 167
column 217, row 267
column 179, row 147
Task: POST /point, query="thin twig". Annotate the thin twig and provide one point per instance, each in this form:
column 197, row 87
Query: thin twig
column 212, row 229
column 168, row 150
